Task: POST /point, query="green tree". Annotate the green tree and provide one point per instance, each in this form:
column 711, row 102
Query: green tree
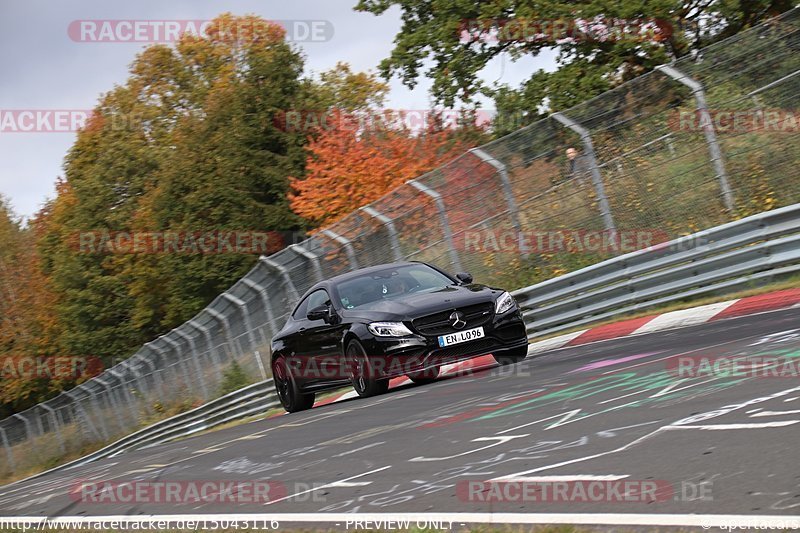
column 434, row 30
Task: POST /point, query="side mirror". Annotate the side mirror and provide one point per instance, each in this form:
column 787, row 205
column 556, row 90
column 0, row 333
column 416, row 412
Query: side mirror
column 320, row 312
column 464, row 278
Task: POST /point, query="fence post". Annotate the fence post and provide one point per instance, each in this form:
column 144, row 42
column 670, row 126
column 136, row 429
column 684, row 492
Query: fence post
column 448, row 235
column 394, row 242
column 708, row 129
column 9, row 453
column 81, row 412
column 226, row 327
column 59, row 436
column 262, row 291
column 303, row 252
column 212, row 350
column 597, row 178
column 287, row 280
column 112, row 400
column 154, row 371
column 196, row 358
column 90, row 392
column 181, row 362
column 28, row 431
column 348, row 246
column 508, row 192
column 127, row 393
column 249, row 327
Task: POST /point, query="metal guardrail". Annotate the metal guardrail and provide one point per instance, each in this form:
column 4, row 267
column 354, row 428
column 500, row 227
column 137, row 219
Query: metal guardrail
column 726, row 257
column 249, row 401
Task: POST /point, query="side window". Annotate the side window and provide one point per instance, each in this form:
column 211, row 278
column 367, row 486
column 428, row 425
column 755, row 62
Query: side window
column 317, row 298
column 301, row 310
column 313, row 300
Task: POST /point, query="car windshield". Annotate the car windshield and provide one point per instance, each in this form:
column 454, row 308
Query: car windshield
column 389, row 284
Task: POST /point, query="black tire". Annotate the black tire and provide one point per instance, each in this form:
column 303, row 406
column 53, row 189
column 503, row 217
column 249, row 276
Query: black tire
column 512, row 356
column 290, row 396
column 424, row 377
column 362, row 373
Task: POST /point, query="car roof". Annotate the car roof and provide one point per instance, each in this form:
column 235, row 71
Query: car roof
column 368, row 270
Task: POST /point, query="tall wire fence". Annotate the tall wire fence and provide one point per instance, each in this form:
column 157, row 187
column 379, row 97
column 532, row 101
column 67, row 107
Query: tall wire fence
column 688, row 146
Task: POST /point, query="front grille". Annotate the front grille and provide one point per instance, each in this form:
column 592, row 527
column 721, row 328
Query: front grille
column 440, row 323
column 480, row 346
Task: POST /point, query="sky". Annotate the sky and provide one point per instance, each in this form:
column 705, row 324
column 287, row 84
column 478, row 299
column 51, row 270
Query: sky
column 43, row 68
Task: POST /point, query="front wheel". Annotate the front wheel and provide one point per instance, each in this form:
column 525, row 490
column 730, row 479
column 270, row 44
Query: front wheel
column 512, row 356
column 428, row 375
column 290, row 396
column 365, row 383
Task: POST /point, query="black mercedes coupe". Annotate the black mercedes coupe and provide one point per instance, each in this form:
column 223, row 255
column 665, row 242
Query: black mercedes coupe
column 373, row 324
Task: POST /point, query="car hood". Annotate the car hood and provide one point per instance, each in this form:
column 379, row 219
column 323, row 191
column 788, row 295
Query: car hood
column 413, row 305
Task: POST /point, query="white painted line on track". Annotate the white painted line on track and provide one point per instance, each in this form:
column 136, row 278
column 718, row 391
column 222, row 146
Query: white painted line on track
column 715, row 427
column 554, row 479
column 776, row 413
column 359, row 449
column 328, row 485
column 613, row 519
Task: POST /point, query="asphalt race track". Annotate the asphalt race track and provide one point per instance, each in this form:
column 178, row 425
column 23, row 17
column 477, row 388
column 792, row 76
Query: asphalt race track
column 613, row 410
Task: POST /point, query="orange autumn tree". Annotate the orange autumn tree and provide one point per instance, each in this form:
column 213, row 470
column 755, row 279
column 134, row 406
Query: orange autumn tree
column 353, row 162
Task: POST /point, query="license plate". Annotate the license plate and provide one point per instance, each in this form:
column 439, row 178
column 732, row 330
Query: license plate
column 461, row 336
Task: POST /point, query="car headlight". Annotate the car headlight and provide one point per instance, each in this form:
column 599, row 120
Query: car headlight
column 504, row 303
column 389, row 329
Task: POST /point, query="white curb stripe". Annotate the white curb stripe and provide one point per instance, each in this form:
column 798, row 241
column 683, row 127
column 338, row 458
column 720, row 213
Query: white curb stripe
column 684, row 317
column 554, row 343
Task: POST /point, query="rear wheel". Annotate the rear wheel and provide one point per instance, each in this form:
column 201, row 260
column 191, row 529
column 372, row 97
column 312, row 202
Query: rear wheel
column 512, row 356
column 428, row 375
column 362, row 374
column 290, row 396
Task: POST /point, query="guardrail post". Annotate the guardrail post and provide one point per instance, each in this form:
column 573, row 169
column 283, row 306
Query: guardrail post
column 9, row 453
column 27, row 423
column 249, row 327
column 196, row 357
column 597, row 178
column 394, row 242
column 508, row 192
column 212, row 350
column 226, row 327
column 347, row 243
column 57, row 429
column 287, row 280
column 262, row 292
column 448, row 235
column 708, row 129
column 303, row 252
